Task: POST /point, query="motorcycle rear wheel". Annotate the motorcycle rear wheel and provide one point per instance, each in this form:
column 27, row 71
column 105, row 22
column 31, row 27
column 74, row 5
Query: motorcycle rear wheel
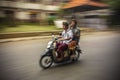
column 45, row 61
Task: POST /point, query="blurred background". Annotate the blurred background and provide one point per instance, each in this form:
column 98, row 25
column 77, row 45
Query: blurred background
column 96, row 14
column 26, row 27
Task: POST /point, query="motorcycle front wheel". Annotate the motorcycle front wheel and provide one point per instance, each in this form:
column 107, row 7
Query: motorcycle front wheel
column 45, row 61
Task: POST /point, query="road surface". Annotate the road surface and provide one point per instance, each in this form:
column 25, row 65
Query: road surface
column 99, row 61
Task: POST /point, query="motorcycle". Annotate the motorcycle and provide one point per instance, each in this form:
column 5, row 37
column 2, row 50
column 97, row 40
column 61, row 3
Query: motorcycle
column 51, row 55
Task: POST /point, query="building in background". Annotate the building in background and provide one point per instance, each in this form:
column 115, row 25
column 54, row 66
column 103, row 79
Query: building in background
column 29, row 10
column 89, row 13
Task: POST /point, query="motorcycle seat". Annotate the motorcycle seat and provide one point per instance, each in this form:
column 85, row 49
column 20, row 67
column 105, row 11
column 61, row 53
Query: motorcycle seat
column 72, row 45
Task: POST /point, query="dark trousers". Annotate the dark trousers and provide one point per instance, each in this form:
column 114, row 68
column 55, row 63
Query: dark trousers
column 61, row 47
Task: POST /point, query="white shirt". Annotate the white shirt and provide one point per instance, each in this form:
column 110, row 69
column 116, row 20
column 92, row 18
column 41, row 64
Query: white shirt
column 67, row 34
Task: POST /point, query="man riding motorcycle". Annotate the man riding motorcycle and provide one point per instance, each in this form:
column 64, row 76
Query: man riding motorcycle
column 66, row 37
column 60, row 49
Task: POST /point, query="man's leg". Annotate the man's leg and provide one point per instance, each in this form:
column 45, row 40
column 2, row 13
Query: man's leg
column 78, row 47
column 61, row 49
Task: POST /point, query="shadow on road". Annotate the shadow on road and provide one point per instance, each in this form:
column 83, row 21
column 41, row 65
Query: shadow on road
column 64, row 65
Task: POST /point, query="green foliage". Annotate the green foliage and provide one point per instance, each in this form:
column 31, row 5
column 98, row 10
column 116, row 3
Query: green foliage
column 115, row 8
column 7, row 21
column 28, row 28
column 51, row 19
column 115, row 4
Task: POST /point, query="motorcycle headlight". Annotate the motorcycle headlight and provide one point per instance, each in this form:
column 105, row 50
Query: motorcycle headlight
column 49, row 44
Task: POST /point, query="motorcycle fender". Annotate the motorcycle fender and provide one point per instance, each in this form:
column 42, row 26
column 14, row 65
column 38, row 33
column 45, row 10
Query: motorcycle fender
column 47, row 52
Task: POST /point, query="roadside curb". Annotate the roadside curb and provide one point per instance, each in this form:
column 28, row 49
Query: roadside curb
column 45, row 37
column 26, row 34
column 23, row 39
column 22, row 36
column 36, row 33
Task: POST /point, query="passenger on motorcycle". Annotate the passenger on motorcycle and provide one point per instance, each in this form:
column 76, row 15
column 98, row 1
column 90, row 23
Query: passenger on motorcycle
column 76, row 32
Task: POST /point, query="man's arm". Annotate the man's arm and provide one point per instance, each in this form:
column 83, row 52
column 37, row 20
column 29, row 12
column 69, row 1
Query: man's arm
column 70, row 33
column 77, row 34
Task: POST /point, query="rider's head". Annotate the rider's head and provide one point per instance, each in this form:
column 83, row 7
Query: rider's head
column 65, row 25
column 73, row 23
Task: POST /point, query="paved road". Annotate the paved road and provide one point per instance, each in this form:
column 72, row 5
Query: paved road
column 99, row 61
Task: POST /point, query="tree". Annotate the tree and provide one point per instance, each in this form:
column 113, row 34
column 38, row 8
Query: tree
column 115, row 8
